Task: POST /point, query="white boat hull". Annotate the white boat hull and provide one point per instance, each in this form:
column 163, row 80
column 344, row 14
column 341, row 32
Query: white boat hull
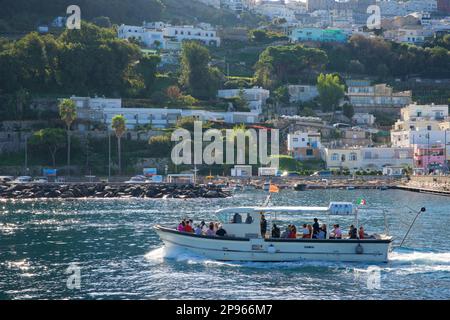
column 276, row 250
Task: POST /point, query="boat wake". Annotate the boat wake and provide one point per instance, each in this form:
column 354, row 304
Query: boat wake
column 402, row 261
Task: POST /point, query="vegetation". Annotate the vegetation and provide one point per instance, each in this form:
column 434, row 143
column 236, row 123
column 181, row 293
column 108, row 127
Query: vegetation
column 197, row 77
column 51, row 140
column 68, row 113
column 119, row 126
column 383, row 59
column 331, row 91
column 89, row 61
column 279, row 65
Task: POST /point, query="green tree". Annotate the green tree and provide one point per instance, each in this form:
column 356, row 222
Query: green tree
column 68, row 114
column 197, row 77
column 147, row 67
column 279, row 65
column 119, row 126
column 348, row 110
column 331, row 91
column 51, row 138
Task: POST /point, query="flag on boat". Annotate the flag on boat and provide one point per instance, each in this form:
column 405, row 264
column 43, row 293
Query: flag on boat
column 361, row 202
column 274, row 188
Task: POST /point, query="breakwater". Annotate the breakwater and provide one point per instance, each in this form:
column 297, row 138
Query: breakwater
column 102, row 190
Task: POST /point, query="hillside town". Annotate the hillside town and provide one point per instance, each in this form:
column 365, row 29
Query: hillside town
column 348, row 117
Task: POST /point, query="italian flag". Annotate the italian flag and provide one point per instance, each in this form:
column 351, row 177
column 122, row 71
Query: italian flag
column 361, row 202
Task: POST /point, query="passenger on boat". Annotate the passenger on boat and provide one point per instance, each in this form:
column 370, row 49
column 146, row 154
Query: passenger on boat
column 210, row 231
column 285, row 233
column 263, row 226
column 316, row 228
column 322, row 232
column 216, row 226
column 336, row 233
column 181, row 226
column 293, row 232
column 310, row 229
column 305, row 231
column 188, row 227
column 204, row 227
column 249, row 219
column 275, row 231
column 237, row 218
column 198, row 230
column 352, row 232
column 221, row 232
column 361, row 232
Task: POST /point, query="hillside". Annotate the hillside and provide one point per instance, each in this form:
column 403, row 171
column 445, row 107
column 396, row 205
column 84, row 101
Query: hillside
column 20, row 16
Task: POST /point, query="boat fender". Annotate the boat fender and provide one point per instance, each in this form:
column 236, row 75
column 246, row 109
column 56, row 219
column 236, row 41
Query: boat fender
column 271, row 249
column 359, row 249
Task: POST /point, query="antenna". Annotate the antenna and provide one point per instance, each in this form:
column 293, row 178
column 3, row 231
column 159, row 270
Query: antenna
column 423, row 209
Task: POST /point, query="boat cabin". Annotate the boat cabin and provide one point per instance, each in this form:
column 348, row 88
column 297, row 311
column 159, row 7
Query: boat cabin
column 245, row 222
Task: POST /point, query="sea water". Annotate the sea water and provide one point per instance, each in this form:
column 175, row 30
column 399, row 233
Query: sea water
column 107, row 249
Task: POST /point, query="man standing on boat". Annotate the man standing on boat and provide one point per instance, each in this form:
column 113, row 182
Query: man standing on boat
column 263, row 226
column 316, row 228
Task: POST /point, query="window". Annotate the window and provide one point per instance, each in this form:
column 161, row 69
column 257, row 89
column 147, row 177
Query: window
column 343, row 158
column 309, row 152
column 334, row 157
column 429, row 128
column 295, row 139
column 353, row 156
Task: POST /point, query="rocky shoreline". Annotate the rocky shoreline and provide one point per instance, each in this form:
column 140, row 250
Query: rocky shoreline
column 100, row 190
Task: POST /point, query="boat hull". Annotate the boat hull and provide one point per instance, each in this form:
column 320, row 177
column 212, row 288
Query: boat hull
column 276, row 250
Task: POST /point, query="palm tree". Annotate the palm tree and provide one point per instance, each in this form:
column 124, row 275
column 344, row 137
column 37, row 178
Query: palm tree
column 68, row 113
column 119, row 126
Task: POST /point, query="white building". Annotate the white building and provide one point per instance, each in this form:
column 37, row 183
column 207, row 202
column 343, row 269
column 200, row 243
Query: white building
column 367, row 119
column 241, row 171
column 302, row 93
column 379, row 95
column 304, row 145
column 256, row 97
column 421, row 125
column 367, row 158
column 165, row 36
column 402, row 8
column 275, row 10
column 415, row 35
column 103, row 110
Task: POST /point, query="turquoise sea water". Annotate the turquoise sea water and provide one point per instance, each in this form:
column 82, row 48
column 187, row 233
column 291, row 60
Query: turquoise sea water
column 121, row 257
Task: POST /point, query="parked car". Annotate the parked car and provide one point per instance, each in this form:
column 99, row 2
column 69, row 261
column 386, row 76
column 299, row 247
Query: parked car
column 23, row 179
column 6, row 179
column 41, row 180
column 137, row 179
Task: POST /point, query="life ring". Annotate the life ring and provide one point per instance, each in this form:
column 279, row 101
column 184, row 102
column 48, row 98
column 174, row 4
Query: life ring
column 359, row 249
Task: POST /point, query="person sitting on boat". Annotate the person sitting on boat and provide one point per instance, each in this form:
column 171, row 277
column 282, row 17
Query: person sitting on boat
column 188, row 227
column 310, row 229
column 198, row 230
column 237, row 218
column 316, row 228
column 204, row 227
column 293, row 233
column 216, row 226
column 305, row 231
column 181, row 226
column 336, row 233
column 361, row 232
column 275, row 231
column 352, row 232
column 263, row 226
column 286, row 232
column 221, row 232
column 249, row 219
column 210, row 231
column 322, row 232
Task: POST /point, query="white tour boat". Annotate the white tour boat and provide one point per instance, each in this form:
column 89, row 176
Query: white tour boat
column 244, row 242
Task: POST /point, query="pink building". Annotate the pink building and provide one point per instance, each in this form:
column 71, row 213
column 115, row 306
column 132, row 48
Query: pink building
column 429, row 157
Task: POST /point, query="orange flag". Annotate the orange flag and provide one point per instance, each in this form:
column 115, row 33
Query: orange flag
column 274, row 189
